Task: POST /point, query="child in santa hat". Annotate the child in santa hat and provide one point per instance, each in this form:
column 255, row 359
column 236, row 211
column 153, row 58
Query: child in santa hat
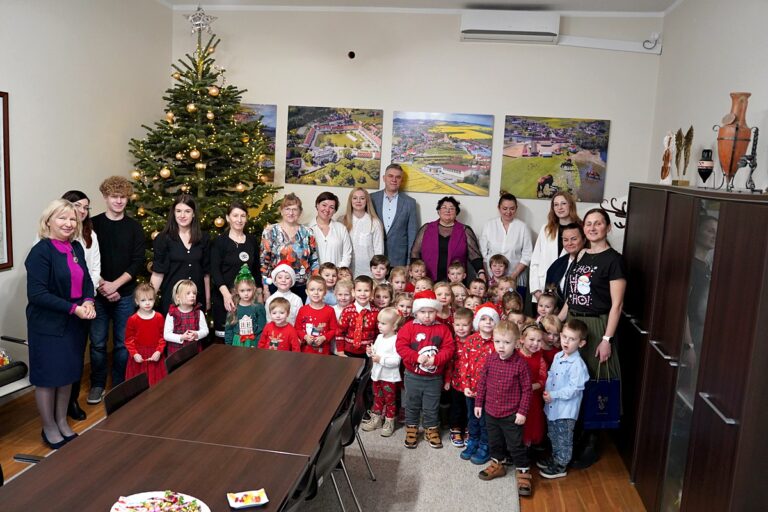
column 426, row 347
column 284, row 277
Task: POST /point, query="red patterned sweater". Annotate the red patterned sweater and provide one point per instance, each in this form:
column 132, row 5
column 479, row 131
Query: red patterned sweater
column 476, row 349
column 357, row 330
column 279, row 338
column 415, row 338
column 315, row 323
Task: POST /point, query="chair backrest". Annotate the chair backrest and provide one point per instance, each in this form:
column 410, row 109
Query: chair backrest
column 358, row 410
column 125, row 392
column 181, row 356
column 331, row 450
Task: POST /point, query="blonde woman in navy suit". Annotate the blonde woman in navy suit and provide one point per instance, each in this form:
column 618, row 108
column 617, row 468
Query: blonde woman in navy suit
column 399, row 216
column 60, row 303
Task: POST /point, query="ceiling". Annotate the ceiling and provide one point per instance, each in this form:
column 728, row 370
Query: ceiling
column 617, row 6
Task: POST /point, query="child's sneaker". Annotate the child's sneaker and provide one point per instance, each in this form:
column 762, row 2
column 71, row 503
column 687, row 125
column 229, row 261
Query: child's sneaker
column 411, row 436
column 432, row 435
column 372, row 423
column 524, row 482
column 545, row 463
column 495, row 470
column 470, row 447
column 457, row 438
column 554, row 470
column 388, row 428
column 481, row 456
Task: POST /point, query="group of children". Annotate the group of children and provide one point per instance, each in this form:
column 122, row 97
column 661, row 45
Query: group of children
column 504, row 378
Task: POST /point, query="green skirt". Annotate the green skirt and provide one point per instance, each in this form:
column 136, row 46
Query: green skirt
column 596, row 326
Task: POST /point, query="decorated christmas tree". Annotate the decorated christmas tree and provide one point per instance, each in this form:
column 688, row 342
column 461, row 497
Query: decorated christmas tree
column 205, row 146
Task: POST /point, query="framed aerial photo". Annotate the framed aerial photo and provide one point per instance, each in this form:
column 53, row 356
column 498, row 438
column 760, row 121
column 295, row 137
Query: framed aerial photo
column 544, row 155
column 6, row 240
column 443, row 153
column 339, row 147
column 267, row 114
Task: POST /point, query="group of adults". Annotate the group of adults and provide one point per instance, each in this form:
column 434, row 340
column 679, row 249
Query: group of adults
column 82, row 273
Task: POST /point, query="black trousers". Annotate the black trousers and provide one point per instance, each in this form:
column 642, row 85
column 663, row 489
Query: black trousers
column 504, row 433
column 457, row 415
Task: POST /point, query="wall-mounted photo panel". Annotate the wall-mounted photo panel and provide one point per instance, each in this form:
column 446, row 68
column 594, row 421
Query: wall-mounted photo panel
column 447, row 154
column 338, row 147
column 544, row 155
column 267, row 114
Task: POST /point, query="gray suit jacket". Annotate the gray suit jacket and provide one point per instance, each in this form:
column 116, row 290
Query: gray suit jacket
column 402, row 233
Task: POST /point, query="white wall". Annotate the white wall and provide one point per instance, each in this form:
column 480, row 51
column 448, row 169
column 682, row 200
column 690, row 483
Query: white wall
column 712, row 48
column 415, row 62
column 82, row 76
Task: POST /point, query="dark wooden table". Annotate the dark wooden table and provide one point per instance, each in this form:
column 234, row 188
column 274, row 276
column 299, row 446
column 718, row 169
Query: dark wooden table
column 92, row 472
column 247, row 398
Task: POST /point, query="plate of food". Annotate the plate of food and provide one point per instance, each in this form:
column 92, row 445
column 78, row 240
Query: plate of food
column 247, row 499
column 159, row 501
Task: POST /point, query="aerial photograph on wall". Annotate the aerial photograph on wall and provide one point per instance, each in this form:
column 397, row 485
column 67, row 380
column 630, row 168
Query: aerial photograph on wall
column 267, row 114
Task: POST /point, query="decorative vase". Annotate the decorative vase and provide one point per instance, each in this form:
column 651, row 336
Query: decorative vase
column 734, row 135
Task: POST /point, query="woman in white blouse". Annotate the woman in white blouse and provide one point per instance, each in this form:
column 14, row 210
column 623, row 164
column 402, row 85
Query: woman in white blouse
column 365, row 229
column 549, row 244
column 510, row 237
column 333, row 242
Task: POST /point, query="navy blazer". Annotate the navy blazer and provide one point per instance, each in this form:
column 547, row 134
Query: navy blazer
column 399, row 239
column 49, row 286
column 555, row 273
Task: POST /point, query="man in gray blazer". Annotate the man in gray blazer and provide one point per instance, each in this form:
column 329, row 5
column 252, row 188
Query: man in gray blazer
column 399, row 215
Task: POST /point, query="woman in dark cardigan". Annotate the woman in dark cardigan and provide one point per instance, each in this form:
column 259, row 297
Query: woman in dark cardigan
column 229, row 251
column 60, row 302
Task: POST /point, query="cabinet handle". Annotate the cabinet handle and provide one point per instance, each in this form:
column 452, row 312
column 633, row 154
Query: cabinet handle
column 636, row 326
column 657, row 346
column 706, row 397
column 626, row 315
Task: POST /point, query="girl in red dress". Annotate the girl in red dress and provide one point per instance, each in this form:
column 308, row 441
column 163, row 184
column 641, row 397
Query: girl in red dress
column 531, row 338
column 144, row 338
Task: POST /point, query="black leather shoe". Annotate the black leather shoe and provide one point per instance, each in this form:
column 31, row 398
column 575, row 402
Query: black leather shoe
column 70, row 438
column 52, row 446
column 588, row 456
column 75, row 412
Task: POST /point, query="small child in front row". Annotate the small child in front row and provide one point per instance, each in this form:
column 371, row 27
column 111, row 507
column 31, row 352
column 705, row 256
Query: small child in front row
column 562, row 397
column 284, row 277
column 247, row 320
column 531, row 339
column 457, row 413
column 385, row 373
column 185, row 322
column 144, row 337
column 504, row 396
column 279, row 334
column 316, row 322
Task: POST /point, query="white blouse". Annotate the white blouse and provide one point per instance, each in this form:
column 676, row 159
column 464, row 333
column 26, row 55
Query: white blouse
column 336, row 247
column 367, row 241
column 544, row 254
column 388, row 369
column 514, row 243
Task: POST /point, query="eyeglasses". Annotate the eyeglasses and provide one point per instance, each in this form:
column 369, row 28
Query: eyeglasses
column 446, row 208
column 291, row 209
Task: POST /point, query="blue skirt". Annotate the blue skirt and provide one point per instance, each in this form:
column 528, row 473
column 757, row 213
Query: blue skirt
column 58, row 360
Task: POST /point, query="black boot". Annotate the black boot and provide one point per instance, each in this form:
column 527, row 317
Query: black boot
column 74, row 411
column 589, row 454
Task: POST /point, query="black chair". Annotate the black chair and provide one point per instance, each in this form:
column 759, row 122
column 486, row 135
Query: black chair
column 357, row 411
column 181, row 356
column 125, row 392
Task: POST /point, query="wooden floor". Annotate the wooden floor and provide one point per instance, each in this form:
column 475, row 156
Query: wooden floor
column 603, row 487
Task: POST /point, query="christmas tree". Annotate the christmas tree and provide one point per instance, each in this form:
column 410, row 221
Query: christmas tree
column 203, row 147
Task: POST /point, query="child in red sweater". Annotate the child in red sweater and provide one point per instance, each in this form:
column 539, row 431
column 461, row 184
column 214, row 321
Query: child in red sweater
column 279, row 334
column 462, row 329
column 316, row 321
column 426, row 348
column 144, row 338
column 357, row 325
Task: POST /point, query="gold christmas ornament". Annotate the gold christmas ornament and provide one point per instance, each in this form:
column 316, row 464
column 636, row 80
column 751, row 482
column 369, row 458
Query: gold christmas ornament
column 262, row 158
column 210, row 115
column 176, row 75
column 165, row 173
column 211, row 49
column 200, row 166
column 245, row 139
column 134, row 197
column 179, row 156
column 169, row 116
column 141, row 211
column 154, row 234
column 219, row 222
column 184, row 188
column 240, row 187
column 194, row 154
column 135, row 174
column 213, row 91
column 191, row 108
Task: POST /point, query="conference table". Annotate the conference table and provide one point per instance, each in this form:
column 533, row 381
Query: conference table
column 229, row 420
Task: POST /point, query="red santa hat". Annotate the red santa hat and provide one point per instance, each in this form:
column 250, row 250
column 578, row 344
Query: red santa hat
column 284, row 266
column 425, row 299
column 487, row 309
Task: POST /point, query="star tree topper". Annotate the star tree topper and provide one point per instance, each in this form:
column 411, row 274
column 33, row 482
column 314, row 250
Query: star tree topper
column 200, row 21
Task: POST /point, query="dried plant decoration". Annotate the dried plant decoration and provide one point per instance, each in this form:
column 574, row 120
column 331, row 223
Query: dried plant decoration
column 687, row 144
column 678, row 149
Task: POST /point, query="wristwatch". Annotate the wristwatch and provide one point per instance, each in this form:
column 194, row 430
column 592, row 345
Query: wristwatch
column 609, row 339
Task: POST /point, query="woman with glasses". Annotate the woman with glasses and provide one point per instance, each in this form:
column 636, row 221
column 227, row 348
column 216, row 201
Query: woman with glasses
column 441, row 242
column 333, row 242
column 288, row 241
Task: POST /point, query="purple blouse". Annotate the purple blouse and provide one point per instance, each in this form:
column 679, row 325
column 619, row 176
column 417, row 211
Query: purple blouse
column 75, row 271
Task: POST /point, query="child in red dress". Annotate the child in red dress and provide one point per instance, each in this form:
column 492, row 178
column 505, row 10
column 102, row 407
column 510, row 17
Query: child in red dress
column 316, row 322
column 144, row 338
column 531, row 339
column 185, row 322
column 279, row 334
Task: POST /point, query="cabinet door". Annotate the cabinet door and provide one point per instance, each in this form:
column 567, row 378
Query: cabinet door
column 632, row 341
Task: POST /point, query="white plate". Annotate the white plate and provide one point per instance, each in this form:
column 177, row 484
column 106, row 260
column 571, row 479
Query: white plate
column 136, row 499
column 234, row 504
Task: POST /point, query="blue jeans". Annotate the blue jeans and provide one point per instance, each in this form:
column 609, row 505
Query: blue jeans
column 476, row 426
column 561, row 435
column 118, row 312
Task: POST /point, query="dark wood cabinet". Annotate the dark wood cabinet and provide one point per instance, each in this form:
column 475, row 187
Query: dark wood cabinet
column 698, row 442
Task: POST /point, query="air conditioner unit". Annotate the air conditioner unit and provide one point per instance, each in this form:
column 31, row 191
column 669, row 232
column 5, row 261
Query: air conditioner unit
column 510, row 26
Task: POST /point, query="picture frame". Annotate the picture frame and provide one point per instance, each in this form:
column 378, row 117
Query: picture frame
column 6, row 239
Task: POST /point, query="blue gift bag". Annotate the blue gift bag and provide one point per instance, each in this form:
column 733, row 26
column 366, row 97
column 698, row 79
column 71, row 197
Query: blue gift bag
column 602, row 402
